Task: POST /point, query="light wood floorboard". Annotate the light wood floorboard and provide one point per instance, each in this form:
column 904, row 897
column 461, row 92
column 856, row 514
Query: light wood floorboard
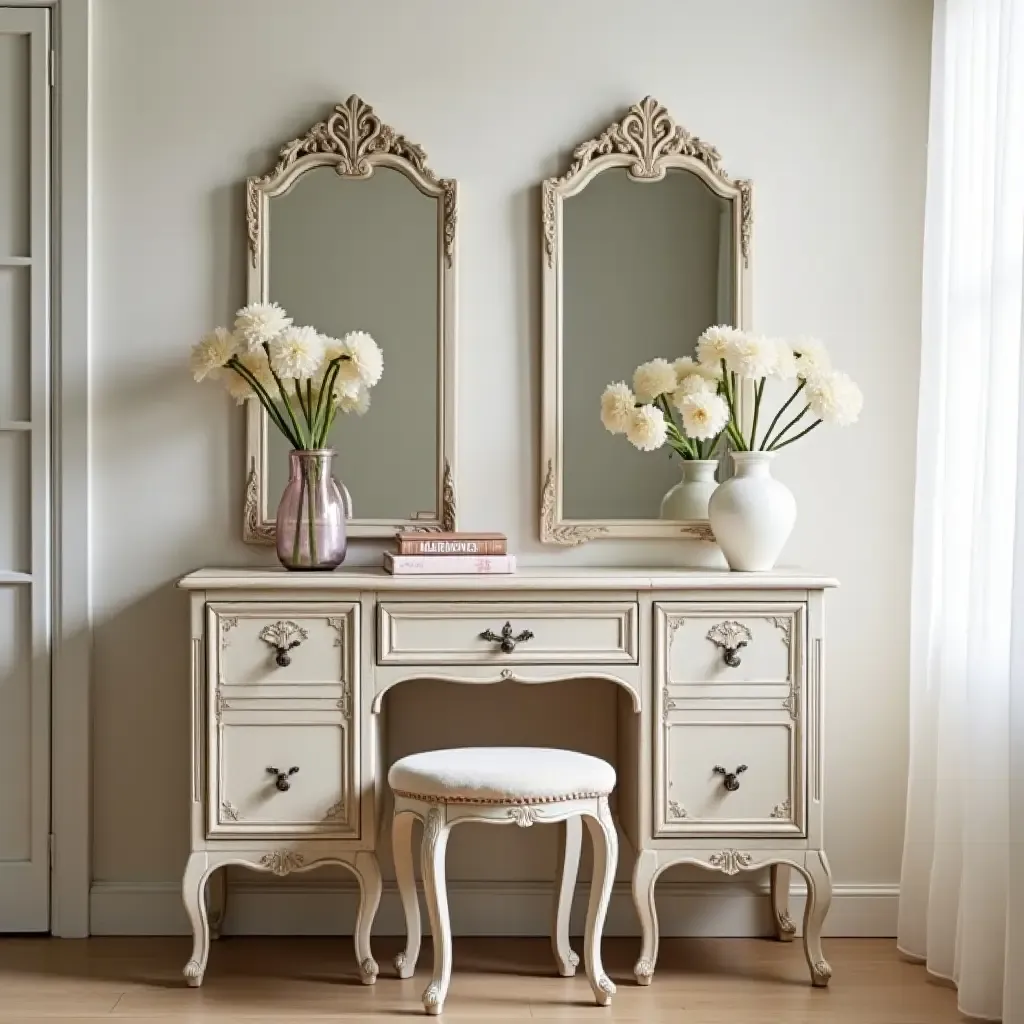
column 703, row 981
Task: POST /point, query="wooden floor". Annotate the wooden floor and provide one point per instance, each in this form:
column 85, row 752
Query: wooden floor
column 704, row 981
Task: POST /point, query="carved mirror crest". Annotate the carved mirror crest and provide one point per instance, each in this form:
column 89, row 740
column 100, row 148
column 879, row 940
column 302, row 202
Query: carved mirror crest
column 646, row 242
column 351, row 230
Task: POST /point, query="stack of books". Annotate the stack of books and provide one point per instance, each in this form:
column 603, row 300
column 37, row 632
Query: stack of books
column 449, row 554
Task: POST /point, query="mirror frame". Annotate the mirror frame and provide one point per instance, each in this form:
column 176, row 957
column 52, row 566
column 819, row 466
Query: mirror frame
column 648, row 142
column 354, row 141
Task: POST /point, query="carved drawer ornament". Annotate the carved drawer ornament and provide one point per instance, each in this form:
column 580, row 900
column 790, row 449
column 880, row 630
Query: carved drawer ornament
column 676, row 810
column 344, row 702
column 781, row 810
column 784, row 624
column 730, row 862
column 335, row 811
column 338, row 626
column 227, row 623
column 667, row 704
column 229, row 811
column 283, row 862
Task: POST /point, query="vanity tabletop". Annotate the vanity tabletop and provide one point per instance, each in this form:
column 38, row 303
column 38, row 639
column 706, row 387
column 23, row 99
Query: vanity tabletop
column 529, row 577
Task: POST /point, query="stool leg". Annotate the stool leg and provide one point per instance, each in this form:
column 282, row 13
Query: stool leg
column 401, row 848
column 435, row 842
column 606, row 857
column 568, row 866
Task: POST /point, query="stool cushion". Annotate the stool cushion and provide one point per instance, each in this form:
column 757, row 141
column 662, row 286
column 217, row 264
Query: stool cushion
column 506, row 775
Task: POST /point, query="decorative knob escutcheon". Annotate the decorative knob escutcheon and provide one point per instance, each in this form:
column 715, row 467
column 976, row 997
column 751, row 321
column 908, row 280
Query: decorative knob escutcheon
column 506, row 639
column 282, row 780
column 731, row 636
column 283, row 637
column 731, row 782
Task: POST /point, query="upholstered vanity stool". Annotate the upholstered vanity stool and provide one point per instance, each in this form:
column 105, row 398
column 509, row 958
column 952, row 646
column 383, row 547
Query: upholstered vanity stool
column 502, row 785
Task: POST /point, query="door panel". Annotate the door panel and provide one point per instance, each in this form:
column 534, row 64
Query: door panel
column 24, row 471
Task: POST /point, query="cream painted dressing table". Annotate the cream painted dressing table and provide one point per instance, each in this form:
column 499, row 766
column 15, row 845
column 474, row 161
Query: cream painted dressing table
column 720, row 717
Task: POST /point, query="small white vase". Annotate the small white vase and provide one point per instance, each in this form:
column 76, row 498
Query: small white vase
column 689, row 498
column 752, row 514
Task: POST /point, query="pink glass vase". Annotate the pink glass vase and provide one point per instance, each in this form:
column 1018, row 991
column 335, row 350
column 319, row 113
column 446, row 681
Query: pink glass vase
column 311, row 532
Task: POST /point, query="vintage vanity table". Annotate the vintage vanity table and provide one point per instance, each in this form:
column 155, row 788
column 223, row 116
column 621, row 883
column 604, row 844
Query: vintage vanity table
column 720, row 675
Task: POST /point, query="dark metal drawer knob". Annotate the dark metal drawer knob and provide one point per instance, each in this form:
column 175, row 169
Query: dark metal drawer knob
column 282, row 782
column 731, row 782
column 506, row 639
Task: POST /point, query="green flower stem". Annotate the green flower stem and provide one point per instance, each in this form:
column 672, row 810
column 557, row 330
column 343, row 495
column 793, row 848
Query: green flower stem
column 732, row 426
column 758, row 392
column 265, row 400
column 778, row 415
column 816, row 423
column 311, row 519
column 309, row 411
column 284, row 398
column 688, row 448
column 296, row 541
column 326, row 389
column 792, row 423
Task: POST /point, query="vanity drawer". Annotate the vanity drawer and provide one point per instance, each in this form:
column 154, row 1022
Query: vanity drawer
column 731, row 649
column 248, row 799
column 760, row 790
column 283, row 645
column 554, row 633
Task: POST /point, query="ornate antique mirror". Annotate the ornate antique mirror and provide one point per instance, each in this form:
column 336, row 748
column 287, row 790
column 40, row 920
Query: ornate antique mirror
column 646, row 243
column 351, row 230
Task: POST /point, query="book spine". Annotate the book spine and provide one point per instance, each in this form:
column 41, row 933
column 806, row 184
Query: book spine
column 437, row 546
column 449, row 565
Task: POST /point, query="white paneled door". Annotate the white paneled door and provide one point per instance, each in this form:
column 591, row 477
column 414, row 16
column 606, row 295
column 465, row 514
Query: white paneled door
column 24, row 469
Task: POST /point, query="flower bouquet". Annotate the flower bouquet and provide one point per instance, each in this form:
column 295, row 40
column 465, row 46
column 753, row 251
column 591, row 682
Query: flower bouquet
column 682, row 405
column 302, row 379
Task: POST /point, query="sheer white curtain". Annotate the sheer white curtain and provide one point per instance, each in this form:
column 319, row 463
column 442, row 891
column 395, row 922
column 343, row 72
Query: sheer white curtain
column 967, row 584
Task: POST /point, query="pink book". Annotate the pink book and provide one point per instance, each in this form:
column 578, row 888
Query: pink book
column 448, row 565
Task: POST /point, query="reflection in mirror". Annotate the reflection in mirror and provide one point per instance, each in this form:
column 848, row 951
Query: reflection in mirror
column 647, row 267
column 352, row 231
column 362, row 254
column 646, row 244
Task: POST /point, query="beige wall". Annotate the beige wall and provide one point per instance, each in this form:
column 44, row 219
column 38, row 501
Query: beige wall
column 821, row 102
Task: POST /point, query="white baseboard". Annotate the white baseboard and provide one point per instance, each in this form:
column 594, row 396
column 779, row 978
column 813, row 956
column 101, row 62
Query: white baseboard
column 486, row 908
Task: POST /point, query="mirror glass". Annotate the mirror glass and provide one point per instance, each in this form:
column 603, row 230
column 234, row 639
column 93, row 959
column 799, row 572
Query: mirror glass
column 347, row 254
column 647, row 265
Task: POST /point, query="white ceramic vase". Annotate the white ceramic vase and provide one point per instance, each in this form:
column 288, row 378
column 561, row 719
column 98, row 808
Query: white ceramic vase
column 689, row 498
column 752, row 514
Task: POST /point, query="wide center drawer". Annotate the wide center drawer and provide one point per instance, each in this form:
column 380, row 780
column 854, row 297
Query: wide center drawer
column 506, row 632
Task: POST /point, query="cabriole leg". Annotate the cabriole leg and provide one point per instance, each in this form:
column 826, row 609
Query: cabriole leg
column 645, row 872
column 401, row 848
column 193, row 896
column 435, row 842
column 568, row 867
column 819, row 898
column 368, row 871
column 606, row 856
column 217, row 897
column 785, row 930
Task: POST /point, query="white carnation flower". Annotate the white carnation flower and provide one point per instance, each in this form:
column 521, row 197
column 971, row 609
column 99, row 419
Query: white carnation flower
column 617, row 405
column 686, row 367
column 752, row 356
column 647, row 429
column 238, row 387
column 693, row 384
column 364, row 360
column 296, row 353
column 353, row 396
column 785, row 360
column 259, row 323
column 812, row 358
column 704, row 415
column 211, row 352
column 834, row 398
column 714, row 345
column 653, row 379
